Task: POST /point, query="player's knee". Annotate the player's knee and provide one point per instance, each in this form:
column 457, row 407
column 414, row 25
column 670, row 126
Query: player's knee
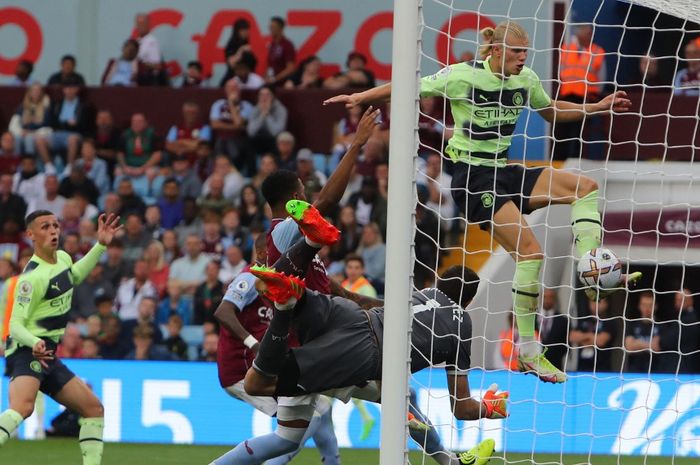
column 586, row 186
column 95, row 410
column 529, row 248
column 24, row 408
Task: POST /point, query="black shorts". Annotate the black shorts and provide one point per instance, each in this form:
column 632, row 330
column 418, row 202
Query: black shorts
column 480, row 191
column 22, row 363
column 340, row 349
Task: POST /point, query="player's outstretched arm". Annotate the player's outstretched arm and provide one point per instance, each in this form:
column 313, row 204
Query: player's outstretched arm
column 380, row 94
column 493, row 404
column 334, row 189
column 562, row 111
column 226, row 315
column 107, row 227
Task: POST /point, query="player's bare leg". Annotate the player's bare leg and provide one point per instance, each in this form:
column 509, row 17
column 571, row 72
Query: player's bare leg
column 581, row 192
column 23, row 392
column 513, row 233
column 77, row 396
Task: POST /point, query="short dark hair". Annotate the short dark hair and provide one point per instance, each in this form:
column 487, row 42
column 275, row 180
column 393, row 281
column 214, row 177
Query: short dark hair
column 353, row 257
column 278, row 20
column 27, row 64
column 68, row 58
column 459, row 283
column 194, row 64
column 36, row 214
column 279, row 187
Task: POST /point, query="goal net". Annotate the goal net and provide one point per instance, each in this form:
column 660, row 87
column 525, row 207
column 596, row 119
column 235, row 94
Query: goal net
column 632, row 360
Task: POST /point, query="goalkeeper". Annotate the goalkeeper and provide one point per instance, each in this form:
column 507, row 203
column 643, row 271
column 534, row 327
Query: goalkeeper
column 486, row 98
column 42, row 299
column 341, row 343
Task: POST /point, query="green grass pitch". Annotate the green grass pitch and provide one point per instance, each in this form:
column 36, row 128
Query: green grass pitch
column 66, row 452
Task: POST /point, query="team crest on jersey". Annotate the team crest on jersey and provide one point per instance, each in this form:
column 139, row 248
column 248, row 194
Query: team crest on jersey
column 518, row 99
column 487, row 199
column 35, row 366
column 25, row 288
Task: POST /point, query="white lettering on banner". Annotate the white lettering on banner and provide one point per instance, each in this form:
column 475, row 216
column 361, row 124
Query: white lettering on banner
column 154, row 391
column 435, row 403
column 683, row 226
column 112, row 401
column 637, row 434
column 687, row 440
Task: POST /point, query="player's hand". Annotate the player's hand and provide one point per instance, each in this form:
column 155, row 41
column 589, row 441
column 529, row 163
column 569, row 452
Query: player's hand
column 107, row 227
column 495, row 402
column 617, row 101
column 369, row 121
column 350, row 101
column 40, row 353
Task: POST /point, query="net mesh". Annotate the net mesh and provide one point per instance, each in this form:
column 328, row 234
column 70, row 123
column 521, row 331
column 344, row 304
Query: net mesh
column 632, row 359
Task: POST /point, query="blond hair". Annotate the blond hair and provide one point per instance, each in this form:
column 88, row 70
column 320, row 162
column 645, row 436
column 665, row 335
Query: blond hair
column 34, row 112
column 498, row 36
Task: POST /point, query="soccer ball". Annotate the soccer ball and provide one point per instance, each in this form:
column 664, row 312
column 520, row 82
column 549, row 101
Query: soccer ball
column 600, row 268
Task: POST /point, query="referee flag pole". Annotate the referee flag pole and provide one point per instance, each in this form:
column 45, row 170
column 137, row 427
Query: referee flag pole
column 403, row 145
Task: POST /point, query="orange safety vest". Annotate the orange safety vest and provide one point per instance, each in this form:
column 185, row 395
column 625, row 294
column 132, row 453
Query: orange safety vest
column 11, row 284
column 359, row 284
column 579, row 70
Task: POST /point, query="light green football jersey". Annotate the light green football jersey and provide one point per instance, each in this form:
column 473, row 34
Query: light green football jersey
column 43, row 297
column 485, row 108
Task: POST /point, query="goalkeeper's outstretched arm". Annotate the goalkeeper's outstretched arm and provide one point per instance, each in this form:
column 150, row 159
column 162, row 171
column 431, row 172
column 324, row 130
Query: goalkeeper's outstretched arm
column 493, row 405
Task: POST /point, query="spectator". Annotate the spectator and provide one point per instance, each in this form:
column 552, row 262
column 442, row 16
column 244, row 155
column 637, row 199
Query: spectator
column 233, row 181
column 679, row 338
column 350, row 233
column 11, row 242
column 158, row 269
column 425, row 246
column 183, row 138
column 286, row 155
column 76, row 183
column 312, row 179
column 153, row 223
column 232, row 265
column 267, row 120
column 594, row 337
column 135, row 238
column 307, row 75
column 11, row 205
column 146, row 316
column 649, row 71
column 171, row 246
column 68, row 119
column 356, row 281
column 71, row 245
column 28, row 181
column 132, row 291
column 145, row 348
column 148, row 46
column 370, row 207
column 581, row 70
column 88, row 235
column 139, row 154
column 93, row 324
column 129, row 200
column 209, row 348
column 174, row 304
column 344, row 133
column 239, row 42
column 554, row 330
column 232, row 233
column 107, row 139
column 281, row 55
column 50, row 199
column 194, row 75
column 190, row 184
column 171, row 204
column 687, row 81
column 175, row 344
column 189, row 271
column 84, row 301
column 208, row 295
column 112, row 345
column 439, row 185
column 125, row 70
column 23, row 74
column 431, row 129
column 9, row 156
column 90, row 347
column 229, row 118
column 116, row 268
column 642, row 337
column 214, row 201
column 94, row 168
column 211, row 237
column 251, row 209
column 70, row 217
column 373, row 252
column 268, row 165
column 191, row 223
column 357, row 74
column 67, row 73
column 244, row 73
column 112, row 204
column 32, row 115
column 88, row 211
column 71, row 346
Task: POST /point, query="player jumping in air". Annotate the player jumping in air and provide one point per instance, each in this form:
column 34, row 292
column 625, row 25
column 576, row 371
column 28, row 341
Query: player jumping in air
column 341, row 342
column 42, row 300
column 486, row 98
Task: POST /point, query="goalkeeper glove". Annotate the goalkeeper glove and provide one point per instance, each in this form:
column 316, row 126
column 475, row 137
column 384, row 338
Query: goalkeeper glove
column 495, row 402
